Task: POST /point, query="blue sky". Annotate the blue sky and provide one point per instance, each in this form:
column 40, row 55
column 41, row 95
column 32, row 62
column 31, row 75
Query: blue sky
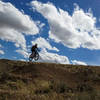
column 66, row 32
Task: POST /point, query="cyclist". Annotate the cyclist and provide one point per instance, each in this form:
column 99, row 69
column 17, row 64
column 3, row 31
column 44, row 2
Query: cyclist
column 34, row 49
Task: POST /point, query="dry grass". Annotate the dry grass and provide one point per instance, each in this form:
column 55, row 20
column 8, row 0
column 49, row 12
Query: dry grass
column 45, row 81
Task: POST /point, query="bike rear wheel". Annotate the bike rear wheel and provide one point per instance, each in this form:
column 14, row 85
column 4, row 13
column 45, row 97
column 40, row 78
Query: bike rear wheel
column 31, row 57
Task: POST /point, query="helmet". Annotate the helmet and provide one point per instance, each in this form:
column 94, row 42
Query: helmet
column 36, row 44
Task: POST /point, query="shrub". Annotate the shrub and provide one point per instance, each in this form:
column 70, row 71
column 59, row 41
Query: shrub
column 58, row 87
column 42, row 91
column 84, row 88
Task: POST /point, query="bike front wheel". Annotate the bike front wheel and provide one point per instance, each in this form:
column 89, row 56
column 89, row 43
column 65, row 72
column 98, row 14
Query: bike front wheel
column 36, row 57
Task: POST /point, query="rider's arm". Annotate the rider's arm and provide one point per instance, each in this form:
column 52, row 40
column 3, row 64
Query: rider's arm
column 38, row 49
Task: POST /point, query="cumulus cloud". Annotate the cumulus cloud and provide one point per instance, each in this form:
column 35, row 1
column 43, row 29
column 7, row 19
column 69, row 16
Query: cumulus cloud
column 43, row 43
column 12, row 35
column 13, row 23
column 22, row 59
column 68, row 29
column 52, row 57
column 75, row 62
column 0, row 46
column 24, row 53
column 13, row 18
column 39, row 24
column 46, row 56
column 2, row 52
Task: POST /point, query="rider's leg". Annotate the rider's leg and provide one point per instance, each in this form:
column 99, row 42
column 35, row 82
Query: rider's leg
column 33, row 53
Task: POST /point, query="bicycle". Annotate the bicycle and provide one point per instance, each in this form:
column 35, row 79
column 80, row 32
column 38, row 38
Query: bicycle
column 34, row 55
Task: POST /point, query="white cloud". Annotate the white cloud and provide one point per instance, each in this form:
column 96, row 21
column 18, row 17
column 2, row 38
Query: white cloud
column 2, row 52
column 22, row 59
column 13, row 36
column 52, row 57
column 46, row 56
column 74, row 31
column 13, row 23
column 86, row 22
column 0, row 46
column 39, row 24
column 75, row 62
column 43, row 43
column 23, row 52
column 13, row 18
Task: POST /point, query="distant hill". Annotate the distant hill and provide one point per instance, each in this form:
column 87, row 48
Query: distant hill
column 21, row 80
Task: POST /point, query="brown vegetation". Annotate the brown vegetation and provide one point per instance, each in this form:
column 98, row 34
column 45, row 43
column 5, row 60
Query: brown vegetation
column 47, row 81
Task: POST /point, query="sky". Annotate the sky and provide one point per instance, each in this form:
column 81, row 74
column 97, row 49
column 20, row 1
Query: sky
column 66, row 31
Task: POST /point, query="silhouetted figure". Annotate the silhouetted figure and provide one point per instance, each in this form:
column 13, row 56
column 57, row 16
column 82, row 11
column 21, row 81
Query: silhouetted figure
column 34, row 49
column 35, row 54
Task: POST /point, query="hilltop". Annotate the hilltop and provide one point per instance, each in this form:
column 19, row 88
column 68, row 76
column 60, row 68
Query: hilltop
column 20, row 80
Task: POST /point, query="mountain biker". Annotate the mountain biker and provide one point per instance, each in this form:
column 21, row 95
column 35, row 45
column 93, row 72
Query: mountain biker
column 34, row 49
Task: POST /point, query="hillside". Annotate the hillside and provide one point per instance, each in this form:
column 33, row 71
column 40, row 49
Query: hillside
column 21, row 80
